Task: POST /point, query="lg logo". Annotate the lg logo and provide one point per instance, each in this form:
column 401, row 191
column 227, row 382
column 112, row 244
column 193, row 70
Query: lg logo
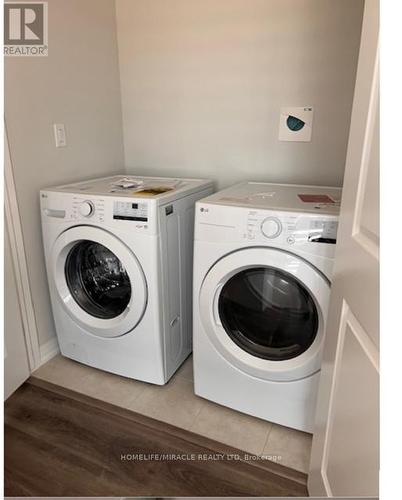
column 25, row 28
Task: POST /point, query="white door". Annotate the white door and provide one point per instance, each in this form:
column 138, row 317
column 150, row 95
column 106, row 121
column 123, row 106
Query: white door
column 345, row 452
column 16, row 366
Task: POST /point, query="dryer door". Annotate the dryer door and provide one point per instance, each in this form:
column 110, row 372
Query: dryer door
column 265, row 311
column 99, row 281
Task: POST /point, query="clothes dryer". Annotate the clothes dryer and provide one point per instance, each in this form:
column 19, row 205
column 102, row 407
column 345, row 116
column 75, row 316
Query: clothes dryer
column 263, row 262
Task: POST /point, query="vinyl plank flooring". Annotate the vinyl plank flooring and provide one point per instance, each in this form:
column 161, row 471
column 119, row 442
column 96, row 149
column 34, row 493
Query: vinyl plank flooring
column 175, row 403
column 61, row 443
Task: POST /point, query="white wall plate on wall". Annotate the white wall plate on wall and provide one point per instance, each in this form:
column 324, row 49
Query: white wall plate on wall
column 295, row 124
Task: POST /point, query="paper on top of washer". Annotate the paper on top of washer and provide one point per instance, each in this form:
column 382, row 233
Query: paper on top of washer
column 146, row 188
column 127, row 183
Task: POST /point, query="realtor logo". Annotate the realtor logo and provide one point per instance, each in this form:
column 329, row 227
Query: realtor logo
column 25, row 29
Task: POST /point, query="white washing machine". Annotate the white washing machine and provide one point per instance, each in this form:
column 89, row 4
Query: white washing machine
column 119, row 263
column 263, row 259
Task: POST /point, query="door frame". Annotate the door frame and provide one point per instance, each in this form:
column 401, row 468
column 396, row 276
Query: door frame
column 13, row 221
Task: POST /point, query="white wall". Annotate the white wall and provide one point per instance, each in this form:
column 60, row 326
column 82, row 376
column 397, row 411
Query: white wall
column 77, row 84
column 203, row 81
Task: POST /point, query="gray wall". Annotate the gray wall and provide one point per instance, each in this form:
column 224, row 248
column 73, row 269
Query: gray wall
column 78, row 85
column 202, row 84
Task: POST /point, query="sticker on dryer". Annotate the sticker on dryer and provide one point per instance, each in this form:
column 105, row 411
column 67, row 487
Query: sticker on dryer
column 315, row 198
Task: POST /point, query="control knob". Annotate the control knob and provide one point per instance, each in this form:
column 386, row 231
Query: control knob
column 86, row 208
column 271, row 227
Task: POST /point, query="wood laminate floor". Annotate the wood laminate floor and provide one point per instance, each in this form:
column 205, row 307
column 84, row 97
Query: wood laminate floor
column 62, row 443
column 176, row 403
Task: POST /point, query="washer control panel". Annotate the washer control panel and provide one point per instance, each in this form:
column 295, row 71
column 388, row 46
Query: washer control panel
column 86, row 208
column 117, row 213
column 126, row 210
column 290, row 228
column 93, row 209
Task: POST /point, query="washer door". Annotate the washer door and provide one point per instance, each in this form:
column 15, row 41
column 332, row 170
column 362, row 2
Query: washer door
column 99, row 281
column 264, row 310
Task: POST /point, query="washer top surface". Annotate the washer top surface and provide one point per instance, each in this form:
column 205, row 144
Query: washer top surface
column 287, row 197
column 132, row 186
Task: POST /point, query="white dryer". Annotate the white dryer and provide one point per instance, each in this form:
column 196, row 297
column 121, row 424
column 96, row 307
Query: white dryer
column 118, row 254
column 263, row 259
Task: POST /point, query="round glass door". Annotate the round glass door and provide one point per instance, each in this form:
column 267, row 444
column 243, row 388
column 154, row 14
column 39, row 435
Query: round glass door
column 268, row 313
column 97, row 280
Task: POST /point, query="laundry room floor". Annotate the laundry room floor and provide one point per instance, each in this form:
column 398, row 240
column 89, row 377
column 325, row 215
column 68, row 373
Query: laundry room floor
column 176, row 404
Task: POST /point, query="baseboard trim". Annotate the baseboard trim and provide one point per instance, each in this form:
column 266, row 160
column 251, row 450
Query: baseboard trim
column 48, row 350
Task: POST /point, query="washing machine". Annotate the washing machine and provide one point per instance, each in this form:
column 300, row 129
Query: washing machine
column 263, row 260
column 118, row 255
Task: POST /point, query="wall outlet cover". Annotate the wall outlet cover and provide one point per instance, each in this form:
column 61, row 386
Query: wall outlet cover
column 60, row 135
column 296, row 124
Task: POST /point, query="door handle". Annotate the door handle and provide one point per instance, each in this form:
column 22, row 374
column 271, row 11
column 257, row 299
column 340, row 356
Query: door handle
column 174, row 321
column 215, row 311
column 51, row 212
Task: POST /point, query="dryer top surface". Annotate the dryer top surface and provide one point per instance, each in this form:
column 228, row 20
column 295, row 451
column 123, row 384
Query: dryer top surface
column 287, row 197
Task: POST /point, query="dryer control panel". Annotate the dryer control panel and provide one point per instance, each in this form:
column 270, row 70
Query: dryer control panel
column 323, row 231
column 291, row 228
column 296, row 232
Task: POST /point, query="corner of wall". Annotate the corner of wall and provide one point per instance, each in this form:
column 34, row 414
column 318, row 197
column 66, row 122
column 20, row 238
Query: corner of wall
column 48, row 350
